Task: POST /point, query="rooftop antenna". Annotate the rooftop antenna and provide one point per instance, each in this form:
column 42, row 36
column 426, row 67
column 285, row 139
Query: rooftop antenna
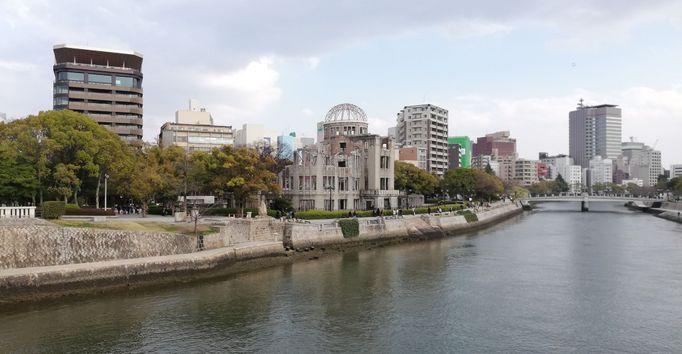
column 580, row 103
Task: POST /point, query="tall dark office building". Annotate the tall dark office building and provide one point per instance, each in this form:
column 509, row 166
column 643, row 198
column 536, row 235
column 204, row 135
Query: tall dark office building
column 105, row 85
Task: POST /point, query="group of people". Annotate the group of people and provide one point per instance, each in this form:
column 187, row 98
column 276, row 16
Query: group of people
column 127, row 209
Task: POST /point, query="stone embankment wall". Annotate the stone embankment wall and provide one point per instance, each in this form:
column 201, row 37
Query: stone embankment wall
column 236, row 231
column 306, row 235
column 35, row 243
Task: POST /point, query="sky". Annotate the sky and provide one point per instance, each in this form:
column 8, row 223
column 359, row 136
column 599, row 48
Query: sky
column 494, row 64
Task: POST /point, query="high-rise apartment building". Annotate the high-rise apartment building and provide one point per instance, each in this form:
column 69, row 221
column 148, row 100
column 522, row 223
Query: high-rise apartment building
column 103, row 84
column 639, row 161
column 594, row 130
column 425, row 126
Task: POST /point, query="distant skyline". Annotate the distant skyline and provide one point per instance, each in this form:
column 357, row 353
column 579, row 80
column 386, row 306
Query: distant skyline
column 495, row 65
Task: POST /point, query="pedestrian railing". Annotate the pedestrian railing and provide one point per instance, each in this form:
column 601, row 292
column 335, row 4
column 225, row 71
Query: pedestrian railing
column 17, row 212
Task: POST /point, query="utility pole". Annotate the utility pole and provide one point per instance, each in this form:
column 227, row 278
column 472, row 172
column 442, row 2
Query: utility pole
column 106, row 178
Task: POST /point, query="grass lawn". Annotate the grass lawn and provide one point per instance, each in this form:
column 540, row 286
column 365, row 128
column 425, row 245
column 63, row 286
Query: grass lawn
column 181, row 228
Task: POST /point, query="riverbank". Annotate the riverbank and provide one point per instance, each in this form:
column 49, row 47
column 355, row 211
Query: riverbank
column 241, row 245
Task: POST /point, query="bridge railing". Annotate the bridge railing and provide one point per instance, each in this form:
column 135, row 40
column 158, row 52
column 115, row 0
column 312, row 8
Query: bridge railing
column 17, row 212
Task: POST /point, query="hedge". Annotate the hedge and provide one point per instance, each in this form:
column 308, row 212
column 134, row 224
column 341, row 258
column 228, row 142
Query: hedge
column 349, row 227
column 89, row 212
column 52, row 210
column 229, row 211
column 469, row 216
column 71, row 206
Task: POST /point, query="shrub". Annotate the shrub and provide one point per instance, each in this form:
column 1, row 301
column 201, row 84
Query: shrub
column 155, row 210
column 71, row 206
column 321, row 214
column 52, row 210
column 89, row 212
column 469, row 216
column 349, row 227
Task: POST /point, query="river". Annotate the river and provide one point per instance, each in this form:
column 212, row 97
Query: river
column 552, row 280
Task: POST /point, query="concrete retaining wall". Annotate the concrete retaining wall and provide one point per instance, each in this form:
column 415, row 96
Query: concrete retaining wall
column 306, row 235
column 35, row 243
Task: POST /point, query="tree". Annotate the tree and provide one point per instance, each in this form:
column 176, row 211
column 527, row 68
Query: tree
column 561, row 185
column 459, row 181
column 145, row 180
column 518, row 192
column 487, row 186
column 409, row 177
column 243, row 173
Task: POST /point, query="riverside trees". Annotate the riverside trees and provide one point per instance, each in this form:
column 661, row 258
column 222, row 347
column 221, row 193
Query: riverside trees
column 64, row 155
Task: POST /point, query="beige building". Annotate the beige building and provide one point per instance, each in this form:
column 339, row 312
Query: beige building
column 193, row 130
column 425, row 126
column 525, row 172
column 347, row 170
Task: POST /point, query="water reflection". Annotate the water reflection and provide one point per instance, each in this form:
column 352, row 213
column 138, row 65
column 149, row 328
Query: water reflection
column 548, row 281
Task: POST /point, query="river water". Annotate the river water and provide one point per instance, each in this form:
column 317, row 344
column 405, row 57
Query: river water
column 553, row 280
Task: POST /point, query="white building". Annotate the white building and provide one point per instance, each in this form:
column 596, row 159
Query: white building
column 636, row 181
column 600, row 171
column 426, row 126
column 345, row 171
column 675, row 171
column 563, row 165
column 640, row 161
column 194, row 130
column 481, row 161
column 594, row 130
column 255, row 135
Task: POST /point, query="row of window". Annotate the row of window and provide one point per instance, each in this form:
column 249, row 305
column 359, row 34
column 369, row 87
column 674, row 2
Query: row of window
column 125, row 81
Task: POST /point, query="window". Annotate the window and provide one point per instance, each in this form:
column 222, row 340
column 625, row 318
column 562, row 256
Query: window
column 300, row 183
column 61, row 89
column 384, row 162
column 70, row 76
column 342, row 146
column 343, row 203
column 99, row 79
column 313, row 183
column 342, row 163
column 61, row 101
column 124, row 81
column 343, row 183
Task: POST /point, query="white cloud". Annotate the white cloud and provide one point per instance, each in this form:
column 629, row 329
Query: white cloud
column 475, row 28
column 313, row 63
column 249, row 90
column 541, row 123
column 307, row 112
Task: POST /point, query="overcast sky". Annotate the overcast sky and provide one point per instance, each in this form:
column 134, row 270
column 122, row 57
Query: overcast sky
column 495, row 65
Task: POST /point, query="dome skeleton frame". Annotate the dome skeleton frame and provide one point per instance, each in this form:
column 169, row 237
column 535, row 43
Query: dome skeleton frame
column 345, row 112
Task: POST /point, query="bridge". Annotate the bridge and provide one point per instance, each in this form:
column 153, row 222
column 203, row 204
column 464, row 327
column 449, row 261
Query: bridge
column 584, row 199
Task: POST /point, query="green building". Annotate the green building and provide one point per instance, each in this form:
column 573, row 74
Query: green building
column 459, row 152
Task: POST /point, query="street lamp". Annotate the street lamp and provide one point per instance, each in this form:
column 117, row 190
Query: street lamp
column 106, row 178
column 331, row 202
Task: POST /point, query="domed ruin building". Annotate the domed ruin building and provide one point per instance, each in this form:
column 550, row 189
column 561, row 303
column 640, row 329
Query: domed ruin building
column 348, row 168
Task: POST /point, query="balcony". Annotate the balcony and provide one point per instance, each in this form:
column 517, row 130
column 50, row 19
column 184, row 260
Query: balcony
column 105, row 96
column 103, row 107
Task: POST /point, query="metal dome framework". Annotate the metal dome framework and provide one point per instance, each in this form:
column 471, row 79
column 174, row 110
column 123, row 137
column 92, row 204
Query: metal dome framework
column 345, row 112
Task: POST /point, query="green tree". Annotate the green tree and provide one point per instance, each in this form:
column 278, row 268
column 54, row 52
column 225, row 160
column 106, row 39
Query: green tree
column 145, row 180
column 459, row 181
column 409, row 177
column 243, row 173
column 561, row 185
column 487, row 186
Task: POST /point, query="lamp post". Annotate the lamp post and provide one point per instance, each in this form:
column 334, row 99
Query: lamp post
column 106, row 178
column 331, row 202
